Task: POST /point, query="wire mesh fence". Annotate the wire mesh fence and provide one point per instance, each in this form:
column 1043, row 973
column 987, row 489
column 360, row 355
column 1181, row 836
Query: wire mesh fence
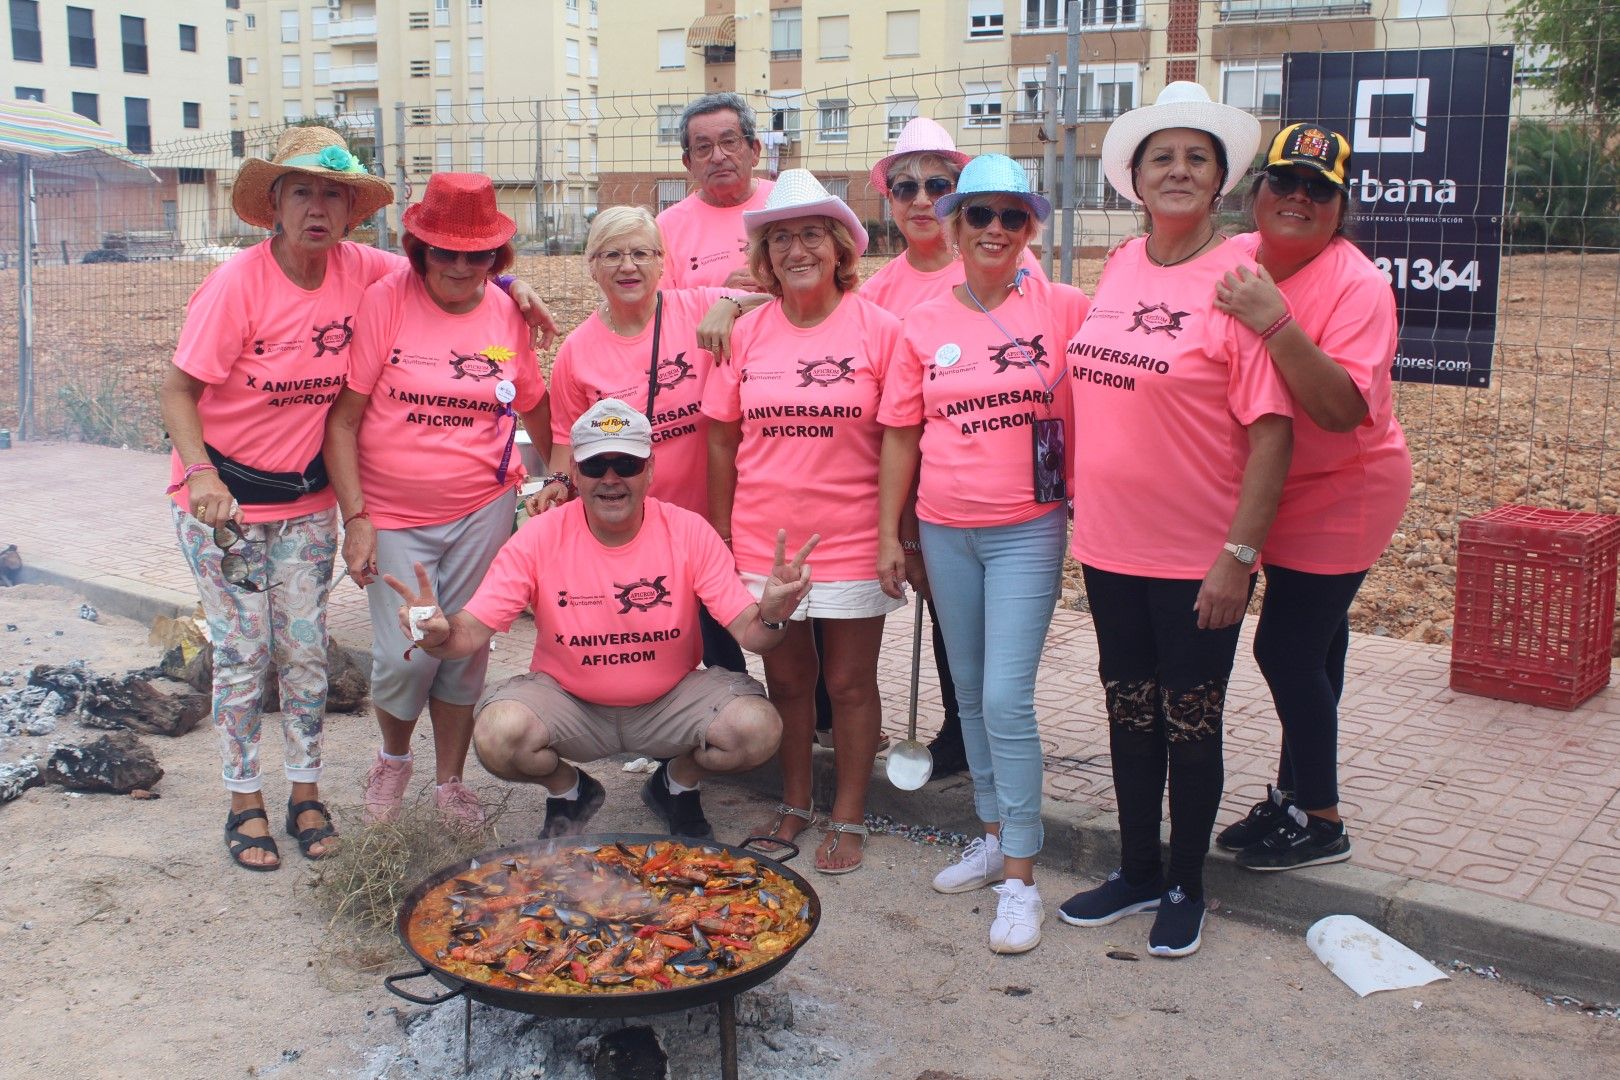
column 117, row 256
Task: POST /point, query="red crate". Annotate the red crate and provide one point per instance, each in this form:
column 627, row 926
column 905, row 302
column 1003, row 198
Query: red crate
column 1535, row 605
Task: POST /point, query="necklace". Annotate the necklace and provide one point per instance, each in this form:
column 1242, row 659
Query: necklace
column 1194, row 253
column 606, row 314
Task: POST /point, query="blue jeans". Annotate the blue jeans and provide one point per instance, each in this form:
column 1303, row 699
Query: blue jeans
column 994, row 589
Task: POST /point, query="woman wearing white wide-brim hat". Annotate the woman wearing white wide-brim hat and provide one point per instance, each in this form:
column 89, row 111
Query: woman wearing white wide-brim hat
column 796, row 438
column 1182, row 440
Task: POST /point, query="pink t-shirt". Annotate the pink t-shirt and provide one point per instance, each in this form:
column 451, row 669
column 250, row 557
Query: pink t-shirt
column 433, row 432
column 1164, row 387
column 595, row 363
column 808, row 461
column 703, row 244
column 1346, row 491
column 613, row 625
column 977, row 397
column 898, row 287
column 274, row 357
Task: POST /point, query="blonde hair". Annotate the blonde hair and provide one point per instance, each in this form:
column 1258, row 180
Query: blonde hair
column 619, row 221
column 914, row 166
column 847, row 277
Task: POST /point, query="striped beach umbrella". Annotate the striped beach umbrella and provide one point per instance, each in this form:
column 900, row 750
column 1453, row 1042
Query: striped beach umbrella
column 36, row 129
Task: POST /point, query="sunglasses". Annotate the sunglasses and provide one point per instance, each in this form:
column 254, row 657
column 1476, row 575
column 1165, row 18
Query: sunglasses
column 1319, row 188
column 474, row 258
column 980, row 217
column 937, row 187
column 623, row 465
column 233, row 567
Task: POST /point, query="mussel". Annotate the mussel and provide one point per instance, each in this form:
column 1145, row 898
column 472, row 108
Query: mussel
column 534, row 910
column 769, row 899
column 695, row 969
column 691, row 956
column 612, row 978
column 469, row 933
column 577, row 920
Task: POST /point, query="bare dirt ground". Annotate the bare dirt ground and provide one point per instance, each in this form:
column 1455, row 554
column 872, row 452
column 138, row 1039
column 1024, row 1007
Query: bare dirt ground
column 132, row 947
column 1541, row 433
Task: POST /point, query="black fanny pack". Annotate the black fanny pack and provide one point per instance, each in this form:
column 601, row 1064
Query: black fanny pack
column 252, row 486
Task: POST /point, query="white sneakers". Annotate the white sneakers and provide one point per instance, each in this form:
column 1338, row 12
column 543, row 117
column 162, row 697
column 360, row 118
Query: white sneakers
column 1019, row 914
column 980, row 864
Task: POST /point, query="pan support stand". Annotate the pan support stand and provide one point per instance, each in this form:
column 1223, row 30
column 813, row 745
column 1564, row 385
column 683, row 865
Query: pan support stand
column 728, row 1037
column 466, row 1035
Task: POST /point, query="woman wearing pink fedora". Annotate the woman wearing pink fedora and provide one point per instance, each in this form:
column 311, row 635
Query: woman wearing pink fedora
column 439, row 377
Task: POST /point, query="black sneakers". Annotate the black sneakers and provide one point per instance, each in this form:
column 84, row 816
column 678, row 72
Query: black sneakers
column 683, row 813
column 567, row 817
column 1109, row 902
column 1298, row 840
column 1265, row 816
column 1178, row 929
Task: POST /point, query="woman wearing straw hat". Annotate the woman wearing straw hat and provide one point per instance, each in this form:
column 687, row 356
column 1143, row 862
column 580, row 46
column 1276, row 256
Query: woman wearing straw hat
column 796, row 438
column 978, row 396
column 260, row 359
column 1328, row 318
column 440, row 374
column 1182, row 437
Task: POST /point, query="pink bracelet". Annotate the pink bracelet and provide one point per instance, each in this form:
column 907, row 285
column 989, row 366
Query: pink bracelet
column 1277, row 327
column 191, row 470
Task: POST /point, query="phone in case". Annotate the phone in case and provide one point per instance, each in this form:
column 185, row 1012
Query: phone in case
column 1050, row 485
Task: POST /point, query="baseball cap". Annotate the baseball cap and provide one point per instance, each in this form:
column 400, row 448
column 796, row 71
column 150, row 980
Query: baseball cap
column 611, row 427
column 1314, row 147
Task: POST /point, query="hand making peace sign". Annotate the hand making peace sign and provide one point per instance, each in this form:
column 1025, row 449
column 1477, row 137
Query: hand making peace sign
column 430, row 621
column 789, row 583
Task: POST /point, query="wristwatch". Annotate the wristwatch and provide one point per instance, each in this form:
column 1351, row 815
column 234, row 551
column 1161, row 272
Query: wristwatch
column 1243, row 553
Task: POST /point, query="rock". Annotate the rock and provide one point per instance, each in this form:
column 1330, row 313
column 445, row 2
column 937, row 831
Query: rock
column 191, row 666
column 117, row 762
column 152, row 706
column 631, row 1053
column 88, row 613
column 18, row 778
column 347, row 683
column 33, row 710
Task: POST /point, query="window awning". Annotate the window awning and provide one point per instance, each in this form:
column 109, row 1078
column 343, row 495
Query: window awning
column 712, row 30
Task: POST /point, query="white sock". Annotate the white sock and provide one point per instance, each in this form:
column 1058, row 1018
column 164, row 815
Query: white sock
column 675, row 786
column 572, row 793
column 992, row 843
column 386, row 756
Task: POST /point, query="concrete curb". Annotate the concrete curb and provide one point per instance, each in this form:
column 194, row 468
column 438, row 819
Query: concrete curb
column 1548, row 950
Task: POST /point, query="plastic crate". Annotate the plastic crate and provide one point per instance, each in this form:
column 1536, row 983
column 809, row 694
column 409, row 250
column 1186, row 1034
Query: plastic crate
column 1535, row 605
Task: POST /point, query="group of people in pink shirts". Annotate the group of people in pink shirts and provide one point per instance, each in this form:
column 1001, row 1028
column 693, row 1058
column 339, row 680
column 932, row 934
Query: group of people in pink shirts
column 955, row 425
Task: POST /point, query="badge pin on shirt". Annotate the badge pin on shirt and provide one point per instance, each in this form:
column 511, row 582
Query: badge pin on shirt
column 505, row 392
column 947, row 354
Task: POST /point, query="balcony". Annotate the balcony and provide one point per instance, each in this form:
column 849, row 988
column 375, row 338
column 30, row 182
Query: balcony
column 352, row 31
column 357, row 122
column 1234, row 11
column 355, row 75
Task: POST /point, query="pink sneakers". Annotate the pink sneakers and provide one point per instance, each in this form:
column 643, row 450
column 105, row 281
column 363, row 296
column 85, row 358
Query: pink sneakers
column 459, row 806
column 385, row 789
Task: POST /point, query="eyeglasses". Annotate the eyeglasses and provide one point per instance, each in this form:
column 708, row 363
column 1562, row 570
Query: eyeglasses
column 640, row 256
column 623, row 465
column 1319, row 188
column 728, row 145
column 1013, row 219
column 811, row 236
column 937, row 187
column 473, row 258
column 233, row 567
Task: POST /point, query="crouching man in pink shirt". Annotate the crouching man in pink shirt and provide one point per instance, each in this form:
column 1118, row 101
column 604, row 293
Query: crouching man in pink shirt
column 615, row 580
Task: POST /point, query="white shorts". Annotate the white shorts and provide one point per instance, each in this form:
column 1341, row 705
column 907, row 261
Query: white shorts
column 835, row 599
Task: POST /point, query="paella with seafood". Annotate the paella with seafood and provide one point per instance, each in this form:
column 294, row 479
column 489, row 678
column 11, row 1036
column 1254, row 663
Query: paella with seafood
column 609, row 918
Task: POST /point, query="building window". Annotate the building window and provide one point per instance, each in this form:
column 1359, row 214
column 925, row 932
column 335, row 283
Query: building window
column 444, row 155
column 289, row 27
column 571, row 158
column 1092, row 189
column 669, row 125
column 838, row 187
column 441, row 12
column 325, row 106
column 29, row 93
column 984, row 18
column 230, row 26
column 983, row 104
column 475, row 104
column 671, row 49
column 901, row 111
column 787, row 33
column 1255, row 86
column 188, row 38
column 191, row 114
column 1044, row 14
column 905, row 33
column 292, row 111
column 1094, row 14
column 320, row 23
column 475, row 154
column 475, row 17
column 571, row 11
column 670, row 192
column 443, row 109
column 25, row 39
column 441, row 58
column 590, row 12
column 591, row 63
column 832, row 120
column 785, row 115
column 292, row 72
column 475, row 56
column 233, row 70
column 87, row 106
column 254, row 111
column 571, row 56
column 253, row 65
column 134, row 38
column 832, row 37
column 250, row 21
column 81, row 37
column 322, row 69
column 571, row 107
column 137, row 124
column 1281, row 10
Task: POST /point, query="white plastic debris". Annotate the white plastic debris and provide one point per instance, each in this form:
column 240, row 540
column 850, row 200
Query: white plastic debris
column 641, row 764
column 1365, row 958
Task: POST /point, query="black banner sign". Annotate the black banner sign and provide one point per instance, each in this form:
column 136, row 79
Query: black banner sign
column 1428, row 130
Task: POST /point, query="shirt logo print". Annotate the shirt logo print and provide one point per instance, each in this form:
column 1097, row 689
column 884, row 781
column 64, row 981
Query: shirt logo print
column 643, row 595
column 474, row 366
column 334, row 337
column 673, row 372
column 827, row 371
column 1154, row 318
column 1026, row 353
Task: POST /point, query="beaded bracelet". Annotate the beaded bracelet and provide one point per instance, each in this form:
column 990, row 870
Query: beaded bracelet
column 1277, row 327
column 560, row 478
column 191, row 470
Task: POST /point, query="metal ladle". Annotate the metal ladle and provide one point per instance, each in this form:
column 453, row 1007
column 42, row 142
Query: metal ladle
column 910, row 764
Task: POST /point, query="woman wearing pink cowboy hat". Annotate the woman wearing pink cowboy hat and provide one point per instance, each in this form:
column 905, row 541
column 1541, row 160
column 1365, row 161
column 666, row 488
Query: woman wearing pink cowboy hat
column 440, row 374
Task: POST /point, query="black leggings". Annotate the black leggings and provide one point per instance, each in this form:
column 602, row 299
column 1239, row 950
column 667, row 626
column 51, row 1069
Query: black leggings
column 1165, row 683
column 1300, row 645
column 720, row 649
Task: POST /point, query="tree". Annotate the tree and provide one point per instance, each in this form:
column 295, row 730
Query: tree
column 1564, row 187
column 1584, row 38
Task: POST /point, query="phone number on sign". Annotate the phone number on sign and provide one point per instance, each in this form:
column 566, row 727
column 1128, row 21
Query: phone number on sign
column 1422, row 274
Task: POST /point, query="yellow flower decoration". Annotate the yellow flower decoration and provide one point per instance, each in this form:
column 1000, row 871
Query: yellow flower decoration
column 499, row 354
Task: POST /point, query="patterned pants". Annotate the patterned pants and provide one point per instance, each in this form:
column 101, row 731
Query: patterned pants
column 251, row 631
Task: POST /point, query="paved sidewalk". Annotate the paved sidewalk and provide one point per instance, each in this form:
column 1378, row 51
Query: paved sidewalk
column 1505, row 800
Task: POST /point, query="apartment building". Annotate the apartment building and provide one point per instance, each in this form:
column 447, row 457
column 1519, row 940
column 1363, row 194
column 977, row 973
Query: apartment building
column 152, row 71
